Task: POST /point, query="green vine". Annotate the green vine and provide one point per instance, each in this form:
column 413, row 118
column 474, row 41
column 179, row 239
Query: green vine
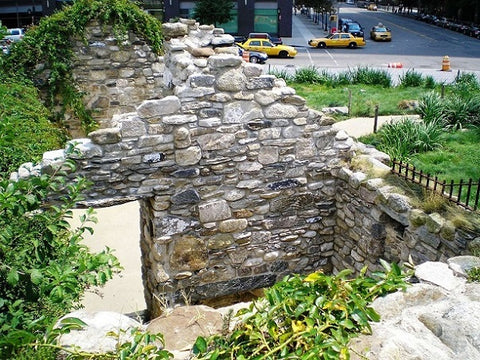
column 46, row 55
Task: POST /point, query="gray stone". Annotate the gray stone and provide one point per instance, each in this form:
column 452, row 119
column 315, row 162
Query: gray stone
column 189, row 196
column 460, row 265
column 215, row 141
column 105, row 136
column 439, row 274
column 279, row 111
column 189, row 156
column 153, row 108
column 214, row 211
column 96, row 336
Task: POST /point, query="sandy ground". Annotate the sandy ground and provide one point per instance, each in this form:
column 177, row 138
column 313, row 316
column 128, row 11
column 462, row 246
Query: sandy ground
column 118, row 228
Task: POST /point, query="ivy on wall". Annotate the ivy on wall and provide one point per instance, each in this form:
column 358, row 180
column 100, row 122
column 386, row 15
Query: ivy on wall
column 45, row 55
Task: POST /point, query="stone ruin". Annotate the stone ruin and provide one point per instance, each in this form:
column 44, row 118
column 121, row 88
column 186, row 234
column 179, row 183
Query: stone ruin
column 239, row 182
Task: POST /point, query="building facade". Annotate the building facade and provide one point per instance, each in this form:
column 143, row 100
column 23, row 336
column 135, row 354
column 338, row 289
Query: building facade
column 272, row 16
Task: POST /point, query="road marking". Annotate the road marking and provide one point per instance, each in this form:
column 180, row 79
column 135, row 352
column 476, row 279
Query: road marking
column 331, row 57
column 310, row 57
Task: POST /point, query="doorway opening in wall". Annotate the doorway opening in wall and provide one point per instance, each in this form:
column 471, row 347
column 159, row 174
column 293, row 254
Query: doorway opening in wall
column 118, row 227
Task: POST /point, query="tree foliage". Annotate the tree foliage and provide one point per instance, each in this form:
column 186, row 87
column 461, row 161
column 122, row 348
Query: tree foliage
column 45, row 55
column 25, row 130
column 213, row 11
column 44, row 268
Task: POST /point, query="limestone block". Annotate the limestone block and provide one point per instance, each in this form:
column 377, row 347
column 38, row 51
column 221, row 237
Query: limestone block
column 220, row 61
column 154, row 108
column 268, row 155
column 220, row 241
column 280, row 111
column 188, row 253
column 232, row 80
column 261, row 82
column 201, row 51
column 95, row 337
column 439, row 274
column 179, row 119
column 200, row 80
column 434, row 222
column 188, row 156
column 172, row 30
column 216, row 141
column 181, row 326
column 251, row 70
column 232, row 225
column 182, row 138
column 212, row 211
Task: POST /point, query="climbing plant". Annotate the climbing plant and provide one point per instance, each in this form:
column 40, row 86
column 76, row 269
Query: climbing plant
column 45, row 55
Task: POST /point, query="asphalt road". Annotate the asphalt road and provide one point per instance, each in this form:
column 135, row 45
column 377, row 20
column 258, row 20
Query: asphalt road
column 415, row 44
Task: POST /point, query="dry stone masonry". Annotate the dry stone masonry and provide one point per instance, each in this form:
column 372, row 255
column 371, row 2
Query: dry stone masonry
column 239, row 181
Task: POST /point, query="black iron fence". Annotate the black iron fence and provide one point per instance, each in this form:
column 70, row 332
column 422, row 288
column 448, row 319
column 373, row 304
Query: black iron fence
column 463, row 193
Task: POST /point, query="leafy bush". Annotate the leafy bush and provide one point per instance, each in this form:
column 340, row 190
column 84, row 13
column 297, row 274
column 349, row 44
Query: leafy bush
column 411, row 78
column 430, row 82
column 44, row 269
column 431, row 108
column 462, row 112
column 466, row 83
column 403, row 138
column 26, row 132
column 45, row 55
column 304, row 317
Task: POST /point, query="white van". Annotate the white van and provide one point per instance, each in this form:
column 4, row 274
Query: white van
column 15, row 34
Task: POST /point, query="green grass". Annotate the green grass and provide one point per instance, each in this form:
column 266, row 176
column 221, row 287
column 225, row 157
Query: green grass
column 364, row 98
column 458, row 158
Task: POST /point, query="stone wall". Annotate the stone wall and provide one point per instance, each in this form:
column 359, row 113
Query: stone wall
column 239, row 181
column 375, row 220
column 115, row 77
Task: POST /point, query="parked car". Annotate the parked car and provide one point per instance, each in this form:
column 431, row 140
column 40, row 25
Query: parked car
column 353, row 28
column 5, row 46
column 338, row 40
column 269, row 48
column 380, row 33
column 273, row 39
column 253, row 56
column 15, row 34
column 343, row 21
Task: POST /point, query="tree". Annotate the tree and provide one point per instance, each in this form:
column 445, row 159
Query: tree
column 213, row 11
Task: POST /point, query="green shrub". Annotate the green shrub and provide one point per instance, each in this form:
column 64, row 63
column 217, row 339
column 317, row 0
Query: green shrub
column 466, row 83
column 403, row 138
column 460, row 112
column 411, row 78
column 25, row 130
column 431, row 108
column 304, row 317
column 368, row 76
column 307, row 75
column 430, row 82
column 44, row 269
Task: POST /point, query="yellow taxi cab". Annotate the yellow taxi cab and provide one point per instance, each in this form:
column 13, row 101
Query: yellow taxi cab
column 372, row 7
column 380, row 33
column 270, row 49
column 338, row 40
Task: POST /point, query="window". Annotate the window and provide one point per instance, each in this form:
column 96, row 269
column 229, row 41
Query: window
column 255, row 43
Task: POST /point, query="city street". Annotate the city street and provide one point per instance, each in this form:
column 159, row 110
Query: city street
column 415, row 44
